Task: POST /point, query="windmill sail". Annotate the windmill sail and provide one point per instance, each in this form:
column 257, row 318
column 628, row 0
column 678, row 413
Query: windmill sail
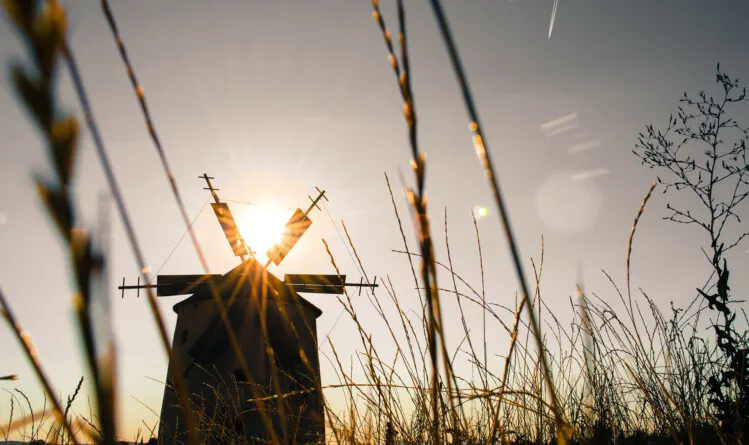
column 318, row 284
column 295, row 228
column 231, row 231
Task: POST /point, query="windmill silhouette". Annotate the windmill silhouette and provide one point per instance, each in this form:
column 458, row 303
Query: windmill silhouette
column 245, row 345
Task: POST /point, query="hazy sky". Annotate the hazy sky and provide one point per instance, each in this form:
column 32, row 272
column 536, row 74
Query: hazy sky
column 275, row 98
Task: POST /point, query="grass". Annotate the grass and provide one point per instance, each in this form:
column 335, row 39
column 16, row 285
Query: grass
column 641, row 376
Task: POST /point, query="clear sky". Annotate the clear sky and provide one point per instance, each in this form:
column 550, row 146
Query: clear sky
column 275, row 98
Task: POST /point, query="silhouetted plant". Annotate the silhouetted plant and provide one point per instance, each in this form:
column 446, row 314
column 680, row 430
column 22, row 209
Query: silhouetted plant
column 704, row 151
column 42, row 26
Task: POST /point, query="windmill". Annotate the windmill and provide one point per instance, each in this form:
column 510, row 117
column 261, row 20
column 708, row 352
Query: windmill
column 276, row 378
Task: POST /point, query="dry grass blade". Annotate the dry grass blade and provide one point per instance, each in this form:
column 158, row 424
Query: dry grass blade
column 6, row 432
column 116, row 191
column 483, row 292
column 152, row 132
column 140, row 259
column 484, row 155
column 631, row 239
column 20, row 423
column 506, row 369
column 234, row 343
column 405, row 245
column 28, row 348
column 69, row 403
column 43, row 27
column 417, row 199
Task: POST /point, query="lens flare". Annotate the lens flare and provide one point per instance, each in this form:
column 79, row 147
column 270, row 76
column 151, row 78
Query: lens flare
column 480, row 212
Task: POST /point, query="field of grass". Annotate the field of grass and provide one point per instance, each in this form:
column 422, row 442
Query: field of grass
column 646, row 375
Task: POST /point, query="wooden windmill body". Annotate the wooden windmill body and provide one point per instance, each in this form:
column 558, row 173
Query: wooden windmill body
column 275, row 330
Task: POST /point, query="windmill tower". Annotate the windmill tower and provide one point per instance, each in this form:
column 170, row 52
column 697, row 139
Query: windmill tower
column 245, row 346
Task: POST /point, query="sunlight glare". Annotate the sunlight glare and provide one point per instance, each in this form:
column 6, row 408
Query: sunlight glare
column 262, row 227
column 480, row 212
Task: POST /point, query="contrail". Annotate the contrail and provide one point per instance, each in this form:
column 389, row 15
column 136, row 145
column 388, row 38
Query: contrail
column 553, row 16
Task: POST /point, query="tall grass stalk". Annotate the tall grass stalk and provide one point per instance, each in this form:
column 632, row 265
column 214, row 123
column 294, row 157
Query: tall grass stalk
column 417, row 198
column 482, row 150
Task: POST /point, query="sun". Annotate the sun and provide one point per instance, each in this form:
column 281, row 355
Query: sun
column 262, row 227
